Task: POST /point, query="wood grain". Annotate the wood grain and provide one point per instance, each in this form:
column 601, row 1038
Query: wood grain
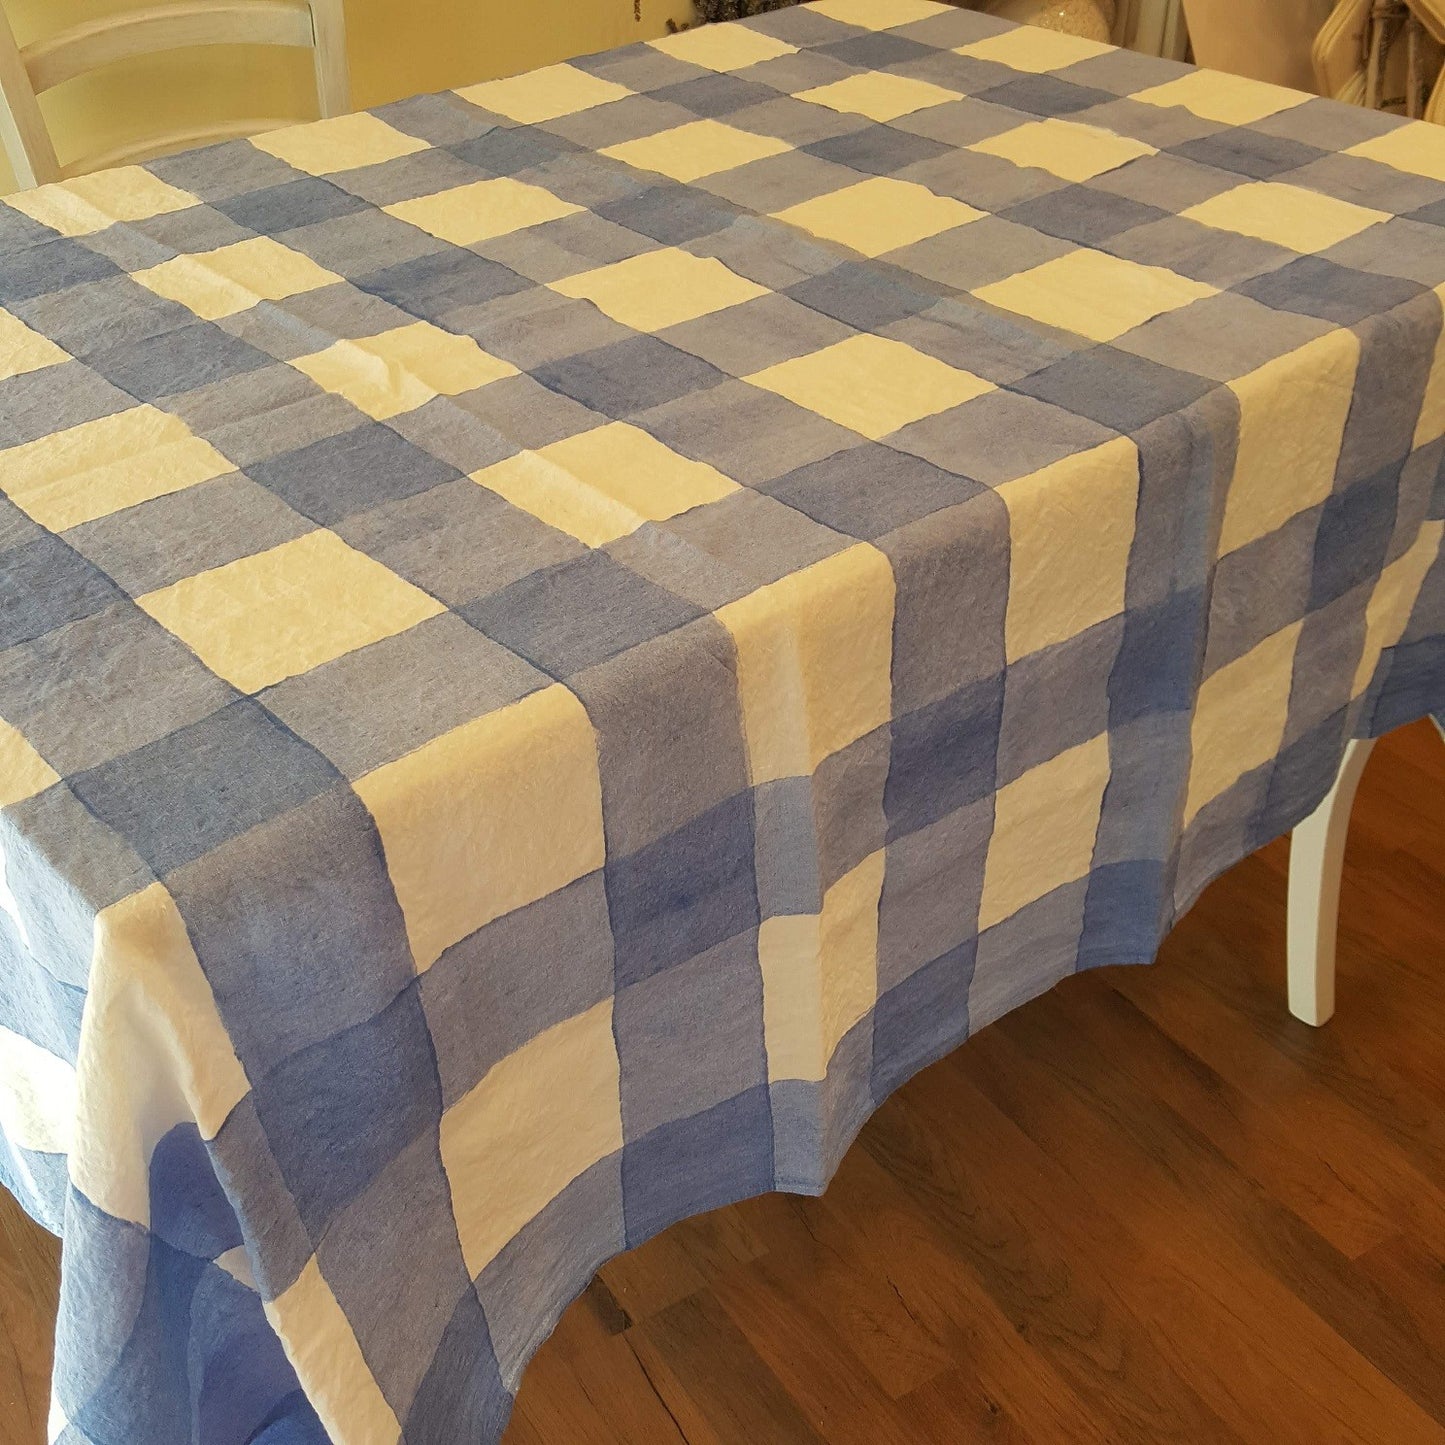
column 1147, row 1207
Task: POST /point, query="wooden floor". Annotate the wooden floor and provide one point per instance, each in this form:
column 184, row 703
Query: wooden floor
column 1148, row 1207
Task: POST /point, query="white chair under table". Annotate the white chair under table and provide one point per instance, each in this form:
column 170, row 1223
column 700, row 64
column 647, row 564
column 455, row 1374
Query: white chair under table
column 1316, row 861
column 28, row 72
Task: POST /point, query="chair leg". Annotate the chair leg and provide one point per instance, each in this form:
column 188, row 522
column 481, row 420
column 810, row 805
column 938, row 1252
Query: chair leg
column 1317, row 856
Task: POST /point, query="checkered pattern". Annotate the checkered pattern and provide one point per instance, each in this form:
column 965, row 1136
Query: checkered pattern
column 559, row 641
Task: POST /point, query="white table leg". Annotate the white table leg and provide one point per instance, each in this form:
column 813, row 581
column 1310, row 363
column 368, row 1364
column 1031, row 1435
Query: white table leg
column 1316, row 860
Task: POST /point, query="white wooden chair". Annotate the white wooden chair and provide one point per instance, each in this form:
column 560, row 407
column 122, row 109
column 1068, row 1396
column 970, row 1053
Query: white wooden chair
column 26, row 74
column 1316, row 861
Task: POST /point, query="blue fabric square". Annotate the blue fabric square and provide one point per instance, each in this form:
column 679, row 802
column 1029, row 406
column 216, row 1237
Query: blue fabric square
column 399, row 1313
column 630, row 376
column 1249, row 153
column 1159, row 659
column 245, row 905
column 285, row 207
column 189, row 1208
column 338, row 1112
column 673, row 215
column 43, row 585
column 462, row 1396
column 690, row 1037
column 506, row 152
column 715, row 95
column 48, row 266
column 1045, row 95
column 339, row 476
column 877, row 150
column 448, row 284
column 945, row 756
column 863, row 295
column 922, row 1018
column 277, row 1244
column 877, row 51
column 1313, row 286
column 1115, row 388
column 177, row 361
column 34, row 1003
column 572, row 616
column 1083, row 214
column 714, row 1158
column 1353, row 536
column 871, row 490
column 186, row 793
column 1126, row 912
column 199, row 1354
column 690, row 890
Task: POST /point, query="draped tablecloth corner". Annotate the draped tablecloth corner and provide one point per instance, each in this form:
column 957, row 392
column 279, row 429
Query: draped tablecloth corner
column 560, row 641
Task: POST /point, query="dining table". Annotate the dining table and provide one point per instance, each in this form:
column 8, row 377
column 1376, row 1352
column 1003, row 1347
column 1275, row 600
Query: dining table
column 561, row 640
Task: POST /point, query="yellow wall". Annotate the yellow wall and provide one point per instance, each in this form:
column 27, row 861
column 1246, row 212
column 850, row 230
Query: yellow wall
column 397, row 48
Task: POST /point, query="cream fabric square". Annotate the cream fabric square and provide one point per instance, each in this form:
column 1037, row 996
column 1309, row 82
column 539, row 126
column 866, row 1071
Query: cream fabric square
column 514, row 1143
column 224, row 282
column 871, row 384
column 604, row 484
column 1034, row 50
column 1392, row 603
column 723, row 47
column 1228, row 99
column 153, row 1053
column 815, row 652
column 1417, row 148
column 879, row 215
column 1092, row 294
column 323, row 1350
column 105, row 466
column 878, row 14
column 483, row 210
column 87, row 204
column 23, row 772
column 1064, row 148
column 660, row 289
column 543, row 95
column 1304, row 221
column 488, row 817
column 879, row 95
column 37, row 1096
column 282, row 612
column 23, row 350
column 1292, row 414
column 343, row 143
column 820, row 974
column 1240, row 717
column 401, row 370
column 701, row 148
column 1044, row 829
column 1071, row 532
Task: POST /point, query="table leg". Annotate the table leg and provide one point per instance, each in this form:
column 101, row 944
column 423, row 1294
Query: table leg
column 1317, row 856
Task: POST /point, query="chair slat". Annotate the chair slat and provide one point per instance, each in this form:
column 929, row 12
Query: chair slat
column 87, row 47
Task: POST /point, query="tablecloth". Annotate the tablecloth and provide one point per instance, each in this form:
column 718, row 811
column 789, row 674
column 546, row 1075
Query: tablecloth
column 561, row 640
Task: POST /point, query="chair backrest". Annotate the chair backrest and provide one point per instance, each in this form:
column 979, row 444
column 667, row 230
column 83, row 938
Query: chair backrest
column 316, row 25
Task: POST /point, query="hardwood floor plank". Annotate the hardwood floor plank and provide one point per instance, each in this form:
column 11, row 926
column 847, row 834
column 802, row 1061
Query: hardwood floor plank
column 29, row 1288
column 1072, row 1278
column 716, row 1386
column 1247, row 1263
